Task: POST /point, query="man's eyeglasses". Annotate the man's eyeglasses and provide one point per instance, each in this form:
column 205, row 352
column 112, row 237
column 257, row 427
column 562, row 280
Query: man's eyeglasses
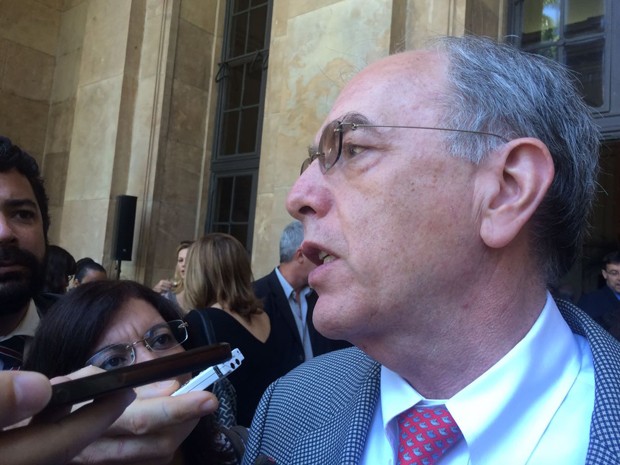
column 330, row 144
column 163, row 336
column 613, row 273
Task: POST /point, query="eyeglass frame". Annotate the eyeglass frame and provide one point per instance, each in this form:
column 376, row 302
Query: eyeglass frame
column 129, row 347
column 337, row 126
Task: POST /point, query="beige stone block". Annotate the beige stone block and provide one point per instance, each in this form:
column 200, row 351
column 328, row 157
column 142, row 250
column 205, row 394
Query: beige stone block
column 431, row 18
column 30, row 23
column 54, row 234
column 279, row 19
column 29, row 73
column 145, row 127
column 84, row 226
column 202, row 13
column 93, row 144
column 72, row 29
column 24, row 121
column 105, row 40
column 151, row 46
column 174, row 224
column 66, row 76
column 180, row 180
column 193, row 56
column 69, row 4
column 187, row 114
column 60, row 126
column 55, row 176
column 301, row 7
column 4, row 47
column 55, row 4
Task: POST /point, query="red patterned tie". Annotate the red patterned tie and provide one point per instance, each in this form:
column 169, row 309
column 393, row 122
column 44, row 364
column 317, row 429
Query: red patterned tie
column 425, row 433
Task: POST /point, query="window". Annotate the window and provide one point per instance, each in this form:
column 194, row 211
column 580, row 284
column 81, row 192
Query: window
column 242, row 77
column 574, row 32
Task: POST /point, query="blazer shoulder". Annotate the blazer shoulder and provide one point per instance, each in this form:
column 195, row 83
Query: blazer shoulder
column 341, row 371
column 264, row 285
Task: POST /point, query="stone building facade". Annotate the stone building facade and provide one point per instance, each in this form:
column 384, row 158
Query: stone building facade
column 120, row 97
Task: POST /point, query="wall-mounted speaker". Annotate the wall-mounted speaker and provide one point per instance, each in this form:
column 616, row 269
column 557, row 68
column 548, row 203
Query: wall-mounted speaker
column 124, row 227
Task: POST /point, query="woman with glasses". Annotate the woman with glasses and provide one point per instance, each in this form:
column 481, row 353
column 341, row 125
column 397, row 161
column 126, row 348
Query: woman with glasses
column 111, row 324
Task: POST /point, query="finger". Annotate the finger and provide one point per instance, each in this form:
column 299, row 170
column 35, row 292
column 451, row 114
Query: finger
column 147, row 415
column 150, row 430
column 58, row 442
column 23, row 393
column 158, row 389
column 81, row 373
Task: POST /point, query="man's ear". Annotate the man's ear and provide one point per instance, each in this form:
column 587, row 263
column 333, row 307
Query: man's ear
column 299, row 256
column 513, row 182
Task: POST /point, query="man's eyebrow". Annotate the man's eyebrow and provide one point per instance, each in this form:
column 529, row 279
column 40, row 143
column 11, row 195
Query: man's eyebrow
column 356, row 118
column 16, row 203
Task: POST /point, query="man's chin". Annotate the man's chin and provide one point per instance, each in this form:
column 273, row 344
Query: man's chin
column 14, row 295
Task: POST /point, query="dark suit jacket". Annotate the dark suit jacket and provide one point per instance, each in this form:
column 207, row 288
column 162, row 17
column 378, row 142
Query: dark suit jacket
column 322, row 411
column 603, row 306
column 283, row 326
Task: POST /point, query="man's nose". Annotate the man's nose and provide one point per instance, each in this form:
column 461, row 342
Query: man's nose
column 7, row 234
column 309, row 195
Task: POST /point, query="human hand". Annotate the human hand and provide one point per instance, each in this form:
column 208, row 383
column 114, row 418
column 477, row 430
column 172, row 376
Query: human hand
column 152, row 428
column 164, row 285
column 52, row 437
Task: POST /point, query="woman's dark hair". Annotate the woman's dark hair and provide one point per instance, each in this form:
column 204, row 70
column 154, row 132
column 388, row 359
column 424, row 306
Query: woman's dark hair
column 73, row 325
column 84, row 265
column 59, row 265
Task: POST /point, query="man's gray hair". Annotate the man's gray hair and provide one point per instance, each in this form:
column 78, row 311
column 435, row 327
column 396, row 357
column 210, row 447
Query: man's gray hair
column 290, row 240
column 499, row 89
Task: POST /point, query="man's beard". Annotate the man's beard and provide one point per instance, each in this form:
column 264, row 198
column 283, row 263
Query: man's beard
column 18, row 287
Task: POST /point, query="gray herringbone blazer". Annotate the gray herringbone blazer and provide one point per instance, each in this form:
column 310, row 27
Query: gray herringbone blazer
column 321, row 412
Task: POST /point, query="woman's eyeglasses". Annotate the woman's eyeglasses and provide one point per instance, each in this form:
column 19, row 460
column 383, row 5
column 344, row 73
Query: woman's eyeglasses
column 164, row 336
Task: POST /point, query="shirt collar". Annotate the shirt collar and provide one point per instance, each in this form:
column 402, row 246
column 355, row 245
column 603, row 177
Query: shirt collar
column 28, row 325
column 288, row 289
column 514, row 400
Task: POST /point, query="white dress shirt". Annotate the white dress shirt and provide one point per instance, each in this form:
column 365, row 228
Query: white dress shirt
column 26, row 327
column 299, row 309
column 534, row 406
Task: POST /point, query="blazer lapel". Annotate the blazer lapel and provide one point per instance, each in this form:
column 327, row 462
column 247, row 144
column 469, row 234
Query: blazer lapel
column 282, row 305
column 341, row 438
column 604, row 447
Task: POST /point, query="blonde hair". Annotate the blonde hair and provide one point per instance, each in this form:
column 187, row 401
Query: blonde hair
column 218, row 271
column 177, row 276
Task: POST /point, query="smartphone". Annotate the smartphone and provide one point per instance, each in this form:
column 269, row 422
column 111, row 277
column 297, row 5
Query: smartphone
column 90, row 387
column 207, row 377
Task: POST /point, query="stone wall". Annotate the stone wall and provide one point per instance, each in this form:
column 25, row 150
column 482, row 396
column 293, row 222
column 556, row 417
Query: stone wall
column 118, row 97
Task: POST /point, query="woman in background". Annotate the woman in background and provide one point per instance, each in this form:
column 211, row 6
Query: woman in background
column 174, row 289
column 218, row 286
column 111, row 324
column 88, row 270
column 59, row 266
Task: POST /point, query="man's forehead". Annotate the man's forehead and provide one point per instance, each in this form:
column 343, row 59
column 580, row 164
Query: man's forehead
column 15, row 184
column 396, row 87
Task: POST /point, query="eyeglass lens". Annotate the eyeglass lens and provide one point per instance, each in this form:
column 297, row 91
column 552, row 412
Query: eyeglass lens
column 160, row 337
column 330, row 145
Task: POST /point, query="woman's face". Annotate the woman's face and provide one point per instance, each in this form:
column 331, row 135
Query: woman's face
column 130, row 323
column 181, row 262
